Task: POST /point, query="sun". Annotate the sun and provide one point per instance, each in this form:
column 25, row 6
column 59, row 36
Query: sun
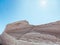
column 43, row 3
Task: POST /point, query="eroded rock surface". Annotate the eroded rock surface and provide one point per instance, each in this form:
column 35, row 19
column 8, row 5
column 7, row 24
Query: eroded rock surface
column 38, row 37
column 22, row 33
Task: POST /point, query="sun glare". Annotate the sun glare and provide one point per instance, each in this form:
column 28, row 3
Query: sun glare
column 43, row 3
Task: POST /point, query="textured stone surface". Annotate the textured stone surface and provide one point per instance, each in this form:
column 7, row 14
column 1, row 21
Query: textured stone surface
column 0, row 40
column 38, row 37
column 22, row 33
column 17, row 25
column 8, row 40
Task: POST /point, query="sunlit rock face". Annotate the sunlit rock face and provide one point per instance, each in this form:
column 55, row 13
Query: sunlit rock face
column 38, row 37
column 22, row 33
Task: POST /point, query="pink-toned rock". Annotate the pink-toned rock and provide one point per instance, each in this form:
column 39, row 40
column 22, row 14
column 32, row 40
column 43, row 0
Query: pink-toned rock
column 22, row 33
column 17, row 25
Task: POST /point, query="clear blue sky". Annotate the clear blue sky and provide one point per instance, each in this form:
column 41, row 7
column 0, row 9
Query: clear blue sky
column 34, row 11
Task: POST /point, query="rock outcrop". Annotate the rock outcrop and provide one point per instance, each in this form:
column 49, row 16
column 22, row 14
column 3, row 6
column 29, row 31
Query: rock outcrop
column 0, row 40
column 22, row 33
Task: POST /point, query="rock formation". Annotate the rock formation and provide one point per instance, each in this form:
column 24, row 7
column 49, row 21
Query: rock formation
column 23, row 33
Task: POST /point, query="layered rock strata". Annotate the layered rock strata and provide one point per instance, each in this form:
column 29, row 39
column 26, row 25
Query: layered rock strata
column 23, row 33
